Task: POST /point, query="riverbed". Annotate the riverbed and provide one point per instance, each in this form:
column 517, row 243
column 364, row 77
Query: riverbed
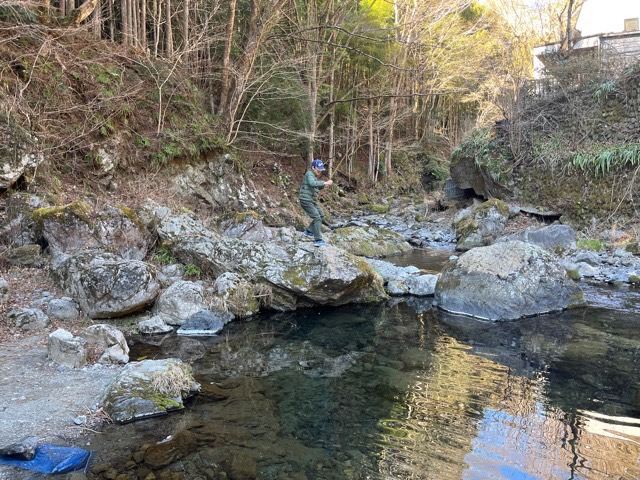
column 400, row 391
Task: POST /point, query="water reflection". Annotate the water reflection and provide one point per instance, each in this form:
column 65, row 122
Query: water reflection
column 385, row 393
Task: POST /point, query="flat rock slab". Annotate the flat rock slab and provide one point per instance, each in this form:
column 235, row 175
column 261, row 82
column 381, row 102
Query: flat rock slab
column 40, row 399
column 148, row 389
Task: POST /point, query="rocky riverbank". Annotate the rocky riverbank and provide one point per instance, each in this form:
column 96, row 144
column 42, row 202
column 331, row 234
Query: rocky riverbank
column 153, row 271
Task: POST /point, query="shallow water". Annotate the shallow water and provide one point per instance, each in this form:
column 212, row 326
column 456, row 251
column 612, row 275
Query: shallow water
column 383, row 392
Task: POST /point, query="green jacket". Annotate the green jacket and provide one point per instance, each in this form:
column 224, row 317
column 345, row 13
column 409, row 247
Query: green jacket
column 310, row 187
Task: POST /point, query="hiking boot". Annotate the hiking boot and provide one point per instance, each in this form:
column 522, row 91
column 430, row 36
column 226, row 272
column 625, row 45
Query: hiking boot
column 307, row 233
column 319, row 243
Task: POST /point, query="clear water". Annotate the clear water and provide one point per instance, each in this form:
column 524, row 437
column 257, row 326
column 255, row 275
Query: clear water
column 384, row 392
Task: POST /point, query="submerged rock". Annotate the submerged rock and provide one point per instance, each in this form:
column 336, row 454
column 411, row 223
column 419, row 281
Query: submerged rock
column 506, row 281
column 480, row 224
column 298, row 272
column 66, row 349
column 149, row 388
column 369, row 242
column 106, row 285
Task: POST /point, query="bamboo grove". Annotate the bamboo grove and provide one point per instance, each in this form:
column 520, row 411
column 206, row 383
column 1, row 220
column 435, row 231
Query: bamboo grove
column 351, row 80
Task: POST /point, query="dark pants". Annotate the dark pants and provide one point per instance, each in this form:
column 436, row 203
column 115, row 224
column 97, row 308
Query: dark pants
column 316, row 218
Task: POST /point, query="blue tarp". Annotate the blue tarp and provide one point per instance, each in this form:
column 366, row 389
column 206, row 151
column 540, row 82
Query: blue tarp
column 52, row 459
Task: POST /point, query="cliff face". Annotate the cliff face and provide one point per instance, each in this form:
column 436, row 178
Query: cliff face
column 575, row 150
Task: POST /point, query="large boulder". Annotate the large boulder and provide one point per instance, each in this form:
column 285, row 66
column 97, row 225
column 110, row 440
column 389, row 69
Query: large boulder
column 369, row 242
column 480, row 224
column 506, row 281
column 73, row 228
column 179, row 302
column 298, row 272
column 107, row 286
column 551, row 237
column 149, row 388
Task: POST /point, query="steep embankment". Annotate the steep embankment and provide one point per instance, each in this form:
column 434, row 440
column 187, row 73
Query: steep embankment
column 574, row 150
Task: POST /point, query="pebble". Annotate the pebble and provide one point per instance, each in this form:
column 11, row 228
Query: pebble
column 80, row 420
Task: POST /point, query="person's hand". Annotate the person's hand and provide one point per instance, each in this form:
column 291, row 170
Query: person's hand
column 328, row 183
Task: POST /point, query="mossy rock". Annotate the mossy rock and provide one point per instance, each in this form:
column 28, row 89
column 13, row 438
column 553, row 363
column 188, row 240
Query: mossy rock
column 590, row 244
column 369, row 242
column 574, row 274
column 496, row 203
column 379, row 208
column 78, row 208
column 634, row 279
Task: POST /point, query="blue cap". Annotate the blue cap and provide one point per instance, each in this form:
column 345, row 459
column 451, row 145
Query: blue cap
column 318, row 165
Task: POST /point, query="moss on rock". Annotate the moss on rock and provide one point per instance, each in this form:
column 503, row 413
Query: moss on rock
column 78, row 208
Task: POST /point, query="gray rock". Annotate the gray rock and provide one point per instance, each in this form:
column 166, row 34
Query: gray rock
column 551, row 237
column 369, row 242
column 153, row 325
column 480, row 224
column 506, row 281
column 108, row 342
column 422, row 285
column 388, row 271
column 74, row 228
column 66, row 349
column 25, row 256
column 622, row 253
column 149, row 388
column 30, row 319
column 170, row 274
column 299, row 273
column 107, row 286
column 397, row 287
column 18, row 164
column 25, row 449
column 4, row 289
column 250, row 228
column 585, row 270
column 235, row 294
column 592, row 258
column 179, row 302
column 64, row 309
column 205, row 323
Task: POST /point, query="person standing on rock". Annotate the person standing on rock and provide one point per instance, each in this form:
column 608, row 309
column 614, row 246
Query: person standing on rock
column 309, row 189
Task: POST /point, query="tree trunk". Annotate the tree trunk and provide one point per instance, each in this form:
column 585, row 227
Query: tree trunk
column 332, row 120
column 226, row 58
column 143, row 26
column 168, row 31
column 185, row 26
column 372, row 144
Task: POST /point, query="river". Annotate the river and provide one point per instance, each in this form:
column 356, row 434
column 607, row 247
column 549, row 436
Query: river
column 401, row 391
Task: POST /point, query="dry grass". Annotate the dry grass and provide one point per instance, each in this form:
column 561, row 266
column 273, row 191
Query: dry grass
column 177, row 379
